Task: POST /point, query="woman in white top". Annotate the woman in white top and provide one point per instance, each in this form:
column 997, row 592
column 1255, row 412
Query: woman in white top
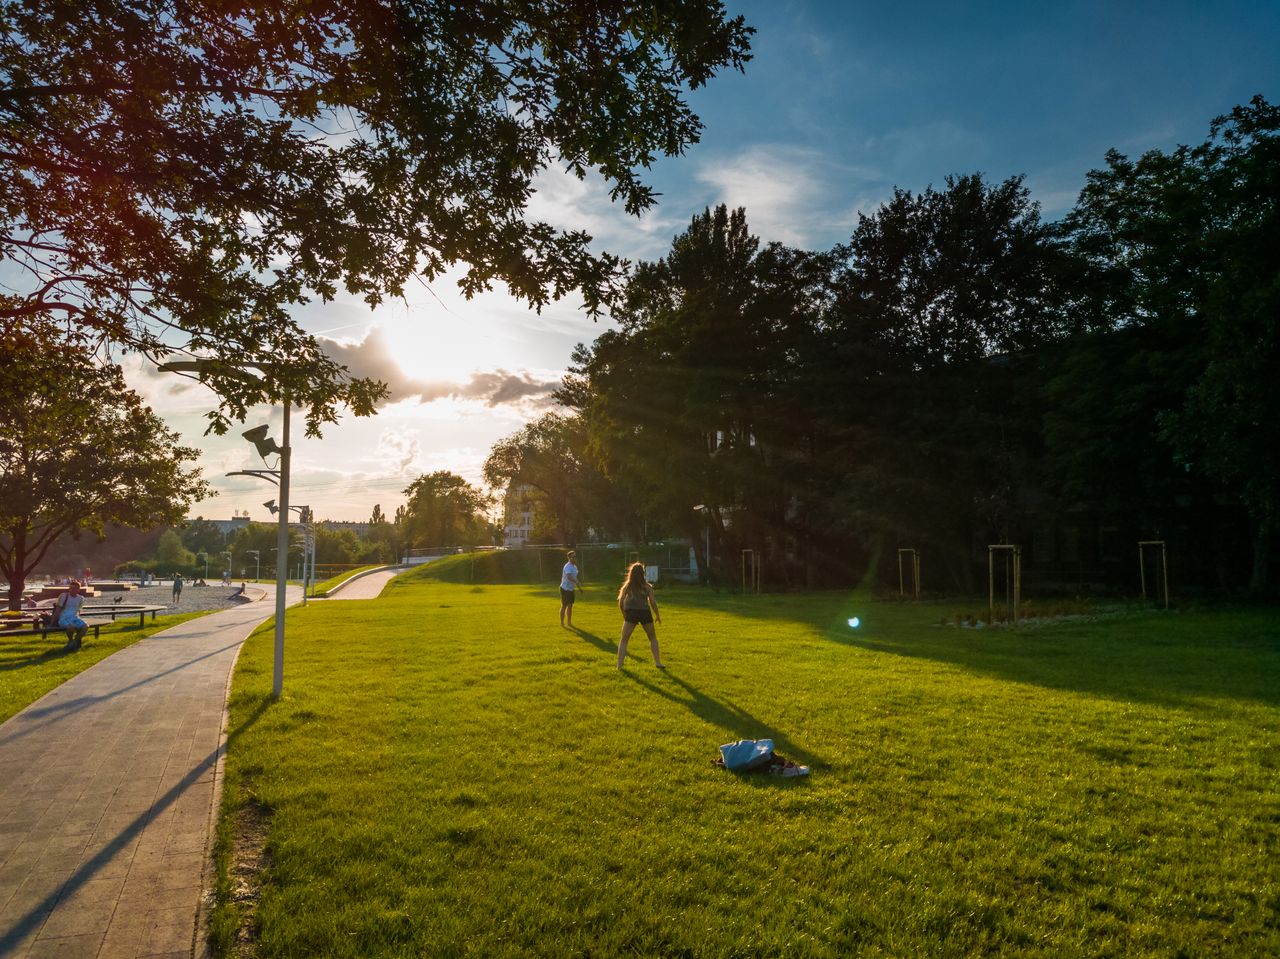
column 568, row 583
column 639, row 608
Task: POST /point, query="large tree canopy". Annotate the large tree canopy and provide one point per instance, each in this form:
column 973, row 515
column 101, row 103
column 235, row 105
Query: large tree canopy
column 79, row 451
column 178, row 173
column 1186, row 249
column 445, row 510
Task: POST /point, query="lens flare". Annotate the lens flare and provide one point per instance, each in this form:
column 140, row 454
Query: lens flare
column 854, row 622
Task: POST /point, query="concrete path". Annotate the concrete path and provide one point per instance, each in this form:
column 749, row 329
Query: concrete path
column 108, row 795
column 368, row 586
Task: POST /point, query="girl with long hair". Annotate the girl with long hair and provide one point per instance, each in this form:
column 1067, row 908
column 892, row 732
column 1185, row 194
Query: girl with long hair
column 639, row 608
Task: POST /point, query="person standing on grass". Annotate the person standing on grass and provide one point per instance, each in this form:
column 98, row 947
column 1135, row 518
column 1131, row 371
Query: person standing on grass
column 67, row 616
column 568, row 583
column 639, row 608
column 177, row 587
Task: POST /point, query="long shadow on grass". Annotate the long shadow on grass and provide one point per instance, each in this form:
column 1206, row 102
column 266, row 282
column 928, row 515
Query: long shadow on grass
column 604, row 645
column 735, row 720
column 34, row 659
column 48, row 652
column 1178, row 663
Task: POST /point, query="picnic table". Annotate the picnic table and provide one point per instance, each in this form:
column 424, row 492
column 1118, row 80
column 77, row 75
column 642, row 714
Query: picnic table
column 123, row 609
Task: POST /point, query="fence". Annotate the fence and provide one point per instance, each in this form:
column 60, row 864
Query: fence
column 597, row 562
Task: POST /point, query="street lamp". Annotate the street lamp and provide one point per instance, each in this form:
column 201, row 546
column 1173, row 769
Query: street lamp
column 257, row 558
column 308, row 545
column 706, row 536
column 230, row 562
column 280, row 475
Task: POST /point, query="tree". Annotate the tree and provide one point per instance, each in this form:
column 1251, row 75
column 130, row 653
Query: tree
column 923, row 369
column 202, row 536
column 1186, row 246
column 259, row 537
column 948, row 276
column 383, row 538
column 177, row 175
column 445, row 510
column 171, row 555
column 689, row 402
column 549, row 455
column 80, row 451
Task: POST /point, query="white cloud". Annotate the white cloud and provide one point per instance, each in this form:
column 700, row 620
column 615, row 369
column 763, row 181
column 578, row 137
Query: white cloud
column 788, row 192
column 566, row 202
column 375, row 357
column 399, row 448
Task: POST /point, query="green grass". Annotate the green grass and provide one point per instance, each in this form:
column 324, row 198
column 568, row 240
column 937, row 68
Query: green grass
column 31, row 666
column 533, row 566
column 322, row 589
column 451, row 774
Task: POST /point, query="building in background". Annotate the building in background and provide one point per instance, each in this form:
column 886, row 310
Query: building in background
column 519, row 510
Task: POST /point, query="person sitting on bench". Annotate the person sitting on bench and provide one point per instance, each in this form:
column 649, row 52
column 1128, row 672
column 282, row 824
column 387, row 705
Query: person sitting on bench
column 66, row 612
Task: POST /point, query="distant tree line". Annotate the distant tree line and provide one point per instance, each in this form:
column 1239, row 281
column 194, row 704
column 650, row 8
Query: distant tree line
column 958, row 373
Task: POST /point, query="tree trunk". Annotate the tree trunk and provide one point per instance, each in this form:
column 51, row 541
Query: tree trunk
column 1261, row 573
column 16, row 583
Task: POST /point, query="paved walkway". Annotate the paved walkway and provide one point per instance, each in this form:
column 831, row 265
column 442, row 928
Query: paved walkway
column 108, row 793
column 368, row 586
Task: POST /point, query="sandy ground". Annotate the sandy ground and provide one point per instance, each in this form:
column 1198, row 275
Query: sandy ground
column 194, row 598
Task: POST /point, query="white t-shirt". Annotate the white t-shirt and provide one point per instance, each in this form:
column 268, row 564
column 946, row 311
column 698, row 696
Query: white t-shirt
column 569, row 577
column 70, row 608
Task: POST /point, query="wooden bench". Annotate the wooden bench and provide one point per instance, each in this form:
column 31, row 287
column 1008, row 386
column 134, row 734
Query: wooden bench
column 46, row 630
column 127, row 610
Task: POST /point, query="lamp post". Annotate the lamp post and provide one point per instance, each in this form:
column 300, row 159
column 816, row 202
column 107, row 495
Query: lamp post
column 230, row 561
column 266, row 446
column 257, row 558
column 706, row 537
column 308, row 544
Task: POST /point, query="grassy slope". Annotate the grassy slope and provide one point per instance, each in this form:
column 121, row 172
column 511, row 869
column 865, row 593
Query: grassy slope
column 468, row 779
column 30, row 666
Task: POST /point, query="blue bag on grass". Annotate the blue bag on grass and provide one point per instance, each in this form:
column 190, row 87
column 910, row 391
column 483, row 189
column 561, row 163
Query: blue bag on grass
column 747, row 754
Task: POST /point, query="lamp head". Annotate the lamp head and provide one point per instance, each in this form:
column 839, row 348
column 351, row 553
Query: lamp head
column 271, row 505
column 265, row 444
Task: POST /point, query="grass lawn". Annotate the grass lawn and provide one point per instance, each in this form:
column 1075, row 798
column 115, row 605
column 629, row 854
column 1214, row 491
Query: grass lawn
column 449, row 773
column 30, row 666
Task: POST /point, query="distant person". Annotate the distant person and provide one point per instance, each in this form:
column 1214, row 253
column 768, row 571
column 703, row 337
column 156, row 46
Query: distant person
column 66, row 612
column 241, row 590
column 639, row 608
column 29, row 602
column 177, row 587
column 568, row 583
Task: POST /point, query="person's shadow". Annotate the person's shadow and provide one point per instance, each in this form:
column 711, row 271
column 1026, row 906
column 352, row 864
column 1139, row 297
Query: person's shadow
column 604, row 645
column 735, row 720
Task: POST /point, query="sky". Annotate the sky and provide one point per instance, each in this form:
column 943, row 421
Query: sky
column 842, row 102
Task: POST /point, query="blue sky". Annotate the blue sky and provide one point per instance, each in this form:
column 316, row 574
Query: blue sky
column 841, row 102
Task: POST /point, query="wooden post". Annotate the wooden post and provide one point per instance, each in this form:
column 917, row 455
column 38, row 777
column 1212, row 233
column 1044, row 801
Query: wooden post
column 991, row 583
column 1164, row 567
column 1164, row 571
column 1012, row 579
column 1017, row 582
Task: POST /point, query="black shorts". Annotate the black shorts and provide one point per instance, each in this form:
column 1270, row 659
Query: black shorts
column 640, row 617
column 566, row 597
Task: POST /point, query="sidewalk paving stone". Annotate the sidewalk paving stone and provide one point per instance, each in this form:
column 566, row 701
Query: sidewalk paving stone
column 108, row 791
